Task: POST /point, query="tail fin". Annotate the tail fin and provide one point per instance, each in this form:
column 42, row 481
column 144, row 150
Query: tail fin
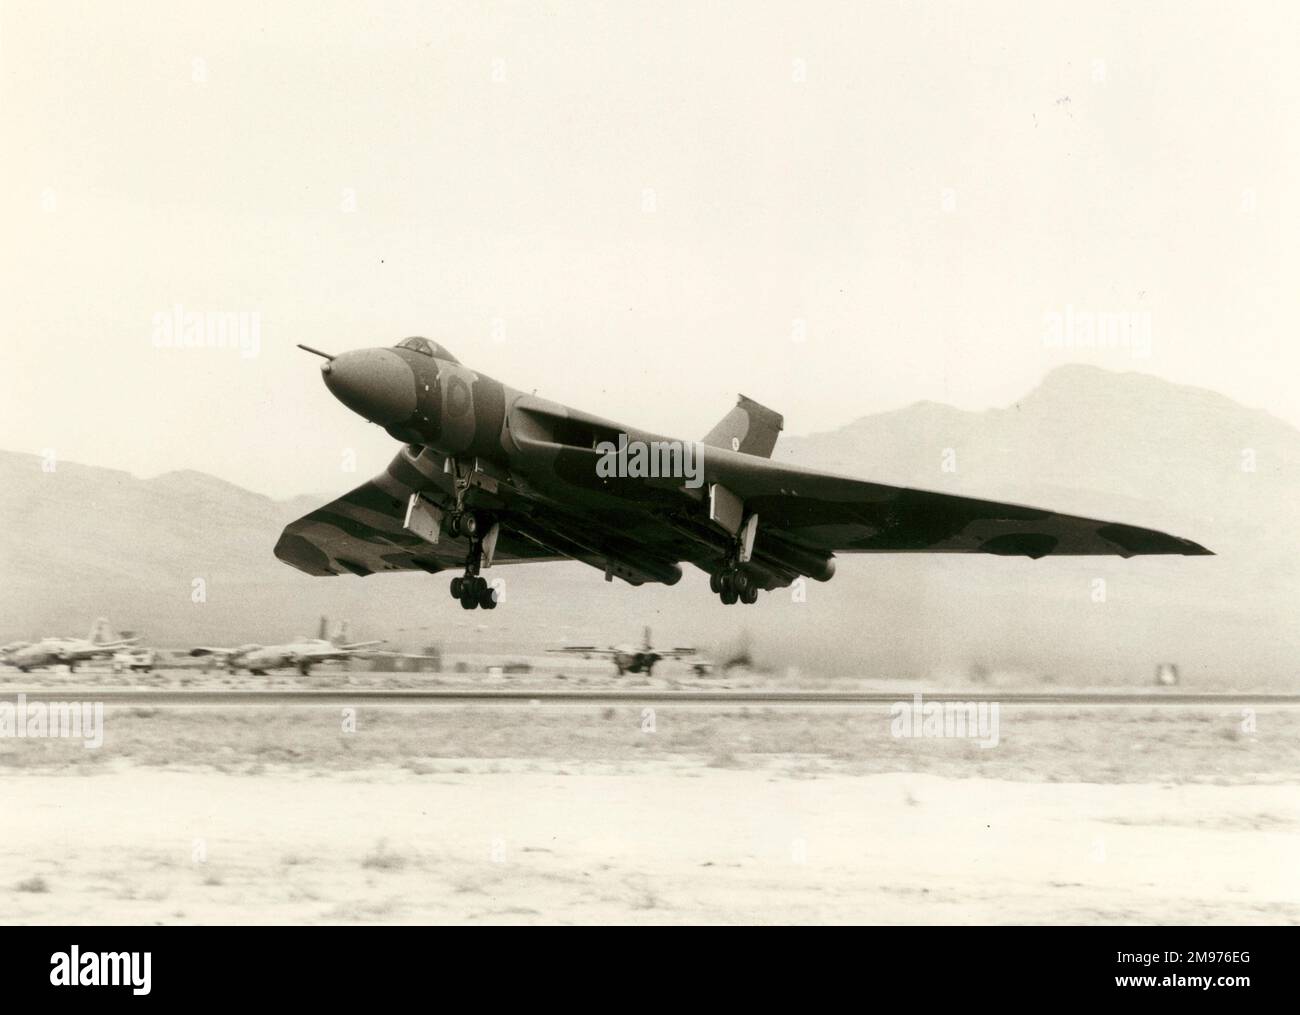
column 101, row 632
column 645, row 644
column 322, row 632
column 749, row 428
column 340, row 634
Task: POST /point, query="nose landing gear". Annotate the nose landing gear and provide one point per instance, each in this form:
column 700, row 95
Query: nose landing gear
column 462, row 523
column 472, row 589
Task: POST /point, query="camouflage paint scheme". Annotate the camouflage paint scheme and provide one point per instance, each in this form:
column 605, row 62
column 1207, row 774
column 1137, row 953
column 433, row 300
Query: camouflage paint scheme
column 532, row 468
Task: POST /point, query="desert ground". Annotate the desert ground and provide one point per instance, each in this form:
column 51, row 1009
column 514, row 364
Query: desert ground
column 577, row 814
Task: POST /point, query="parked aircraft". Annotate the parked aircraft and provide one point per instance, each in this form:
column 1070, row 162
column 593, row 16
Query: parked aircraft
column 70, row 651
column 627, row 659
column 302, row 654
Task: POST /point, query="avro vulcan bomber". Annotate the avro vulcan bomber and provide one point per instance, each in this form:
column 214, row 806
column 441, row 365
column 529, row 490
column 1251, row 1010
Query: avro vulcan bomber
column 490, row 475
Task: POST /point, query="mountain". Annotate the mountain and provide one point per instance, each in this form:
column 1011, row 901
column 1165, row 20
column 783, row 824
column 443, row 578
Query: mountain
column 1125, row 447
column 1088, row 441
column 83, row 541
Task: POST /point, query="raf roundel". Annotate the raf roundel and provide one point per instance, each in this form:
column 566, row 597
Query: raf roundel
column 458, row 397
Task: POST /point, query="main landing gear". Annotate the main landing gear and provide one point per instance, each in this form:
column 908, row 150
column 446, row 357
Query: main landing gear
column 473, row 592
column 471, row 588
column 734, row 586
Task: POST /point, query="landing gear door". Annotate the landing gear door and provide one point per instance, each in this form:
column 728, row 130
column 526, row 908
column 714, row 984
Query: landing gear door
column 423, row 519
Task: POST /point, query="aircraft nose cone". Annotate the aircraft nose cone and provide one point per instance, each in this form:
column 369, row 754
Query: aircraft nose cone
column 375, row 383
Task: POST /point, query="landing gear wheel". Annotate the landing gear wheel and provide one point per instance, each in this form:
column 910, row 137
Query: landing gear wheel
column 733, row 585
column 473, row 592
column 457, row 587
column 464, row 524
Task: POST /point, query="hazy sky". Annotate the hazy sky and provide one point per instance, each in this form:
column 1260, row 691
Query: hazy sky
column 641, row 209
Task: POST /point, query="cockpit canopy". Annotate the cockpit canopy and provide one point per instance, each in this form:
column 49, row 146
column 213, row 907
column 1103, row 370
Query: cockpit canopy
column 426, row 347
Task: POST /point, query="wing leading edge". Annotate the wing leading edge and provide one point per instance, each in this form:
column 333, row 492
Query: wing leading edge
column 362, row 532
column 836, row 514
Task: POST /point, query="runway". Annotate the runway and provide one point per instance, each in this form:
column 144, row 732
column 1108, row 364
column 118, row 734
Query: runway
column 424, row 697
